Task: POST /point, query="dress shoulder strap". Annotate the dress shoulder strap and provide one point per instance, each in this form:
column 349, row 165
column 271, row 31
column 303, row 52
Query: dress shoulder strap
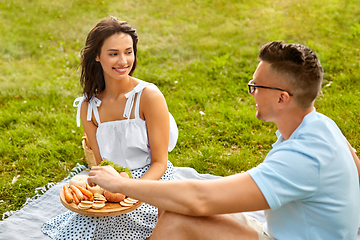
column 93, row 105
column 77, row 103
column 130, row 99
column 137, row 104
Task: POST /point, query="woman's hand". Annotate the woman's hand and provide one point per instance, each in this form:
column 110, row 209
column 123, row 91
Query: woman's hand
column 106, row 177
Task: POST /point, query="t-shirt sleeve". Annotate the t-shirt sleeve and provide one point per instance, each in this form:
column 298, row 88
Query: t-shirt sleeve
column 286, row 176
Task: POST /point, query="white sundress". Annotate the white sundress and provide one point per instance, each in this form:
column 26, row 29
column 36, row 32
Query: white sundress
column 125, row 142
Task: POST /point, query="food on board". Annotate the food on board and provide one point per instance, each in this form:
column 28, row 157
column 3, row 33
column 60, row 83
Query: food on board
column 114, row 197
column 79, row 180
column 85, row 197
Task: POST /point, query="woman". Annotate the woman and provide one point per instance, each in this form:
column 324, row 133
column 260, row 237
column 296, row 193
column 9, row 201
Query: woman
column 127, row 122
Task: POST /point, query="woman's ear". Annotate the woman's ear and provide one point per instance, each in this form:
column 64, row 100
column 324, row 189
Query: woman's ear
column 97, row 59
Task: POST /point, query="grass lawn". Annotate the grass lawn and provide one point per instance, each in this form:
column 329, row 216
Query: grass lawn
column 200, row 53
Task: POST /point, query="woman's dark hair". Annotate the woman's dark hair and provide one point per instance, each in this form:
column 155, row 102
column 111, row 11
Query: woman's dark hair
column 300, row 64
column 92, row 76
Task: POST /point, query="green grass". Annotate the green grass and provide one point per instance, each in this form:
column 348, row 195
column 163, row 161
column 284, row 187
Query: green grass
column 201, row 54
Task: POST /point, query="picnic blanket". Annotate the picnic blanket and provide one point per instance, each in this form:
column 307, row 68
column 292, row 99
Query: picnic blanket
column 26, row 222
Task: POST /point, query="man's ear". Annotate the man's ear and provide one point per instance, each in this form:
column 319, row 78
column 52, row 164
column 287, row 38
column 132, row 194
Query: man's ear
column 284, row 99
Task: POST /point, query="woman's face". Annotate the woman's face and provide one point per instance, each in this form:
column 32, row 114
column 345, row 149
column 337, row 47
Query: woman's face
column 117, row 56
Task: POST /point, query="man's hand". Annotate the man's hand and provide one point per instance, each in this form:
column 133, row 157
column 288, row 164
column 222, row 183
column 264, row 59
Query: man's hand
column 106, row 177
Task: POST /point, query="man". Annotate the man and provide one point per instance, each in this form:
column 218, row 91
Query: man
column 308, row 183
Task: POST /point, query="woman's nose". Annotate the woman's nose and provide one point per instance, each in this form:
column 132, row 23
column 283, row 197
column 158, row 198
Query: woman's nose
column 122, row 60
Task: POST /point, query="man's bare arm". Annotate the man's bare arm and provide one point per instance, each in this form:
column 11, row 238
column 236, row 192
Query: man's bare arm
column 236, row 193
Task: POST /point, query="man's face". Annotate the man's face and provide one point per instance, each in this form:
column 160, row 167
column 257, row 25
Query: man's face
column 266, row 99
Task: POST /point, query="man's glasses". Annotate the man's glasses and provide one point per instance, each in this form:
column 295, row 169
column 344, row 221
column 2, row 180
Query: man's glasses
column 253, row 86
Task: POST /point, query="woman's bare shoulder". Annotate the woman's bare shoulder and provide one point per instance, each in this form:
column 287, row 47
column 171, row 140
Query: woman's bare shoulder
column 151, row 92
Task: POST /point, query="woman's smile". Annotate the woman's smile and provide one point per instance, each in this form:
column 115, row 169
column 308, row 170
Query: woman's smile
column 121, row 70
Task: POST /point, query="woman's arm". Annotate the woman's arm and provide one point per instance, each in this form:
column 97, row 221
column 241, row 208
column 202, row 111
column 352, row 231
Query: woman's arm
column 154, row 110
column 90, row 131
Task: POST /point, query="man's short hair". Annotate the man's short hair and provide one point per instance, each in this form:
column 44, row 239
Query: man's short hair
column 299, row 65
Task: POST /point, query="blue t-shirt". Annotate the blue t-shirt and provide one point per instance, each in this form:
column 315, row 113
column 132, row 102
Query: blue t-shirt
column 311, row 183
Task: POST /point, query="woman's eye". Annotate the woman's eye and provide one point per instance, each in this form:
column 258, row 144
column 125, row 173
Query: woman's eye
column 129, row 52
column 113, row 54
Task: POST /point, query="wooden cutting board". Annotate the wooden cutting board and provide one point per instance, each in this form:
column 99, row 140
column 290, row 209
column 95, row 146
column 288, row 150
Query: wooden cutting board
column 110, row 209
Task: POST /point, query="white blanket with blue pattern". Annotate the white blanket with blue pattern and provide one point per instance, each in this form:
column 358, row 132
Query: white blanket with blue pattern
column 26, row 222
